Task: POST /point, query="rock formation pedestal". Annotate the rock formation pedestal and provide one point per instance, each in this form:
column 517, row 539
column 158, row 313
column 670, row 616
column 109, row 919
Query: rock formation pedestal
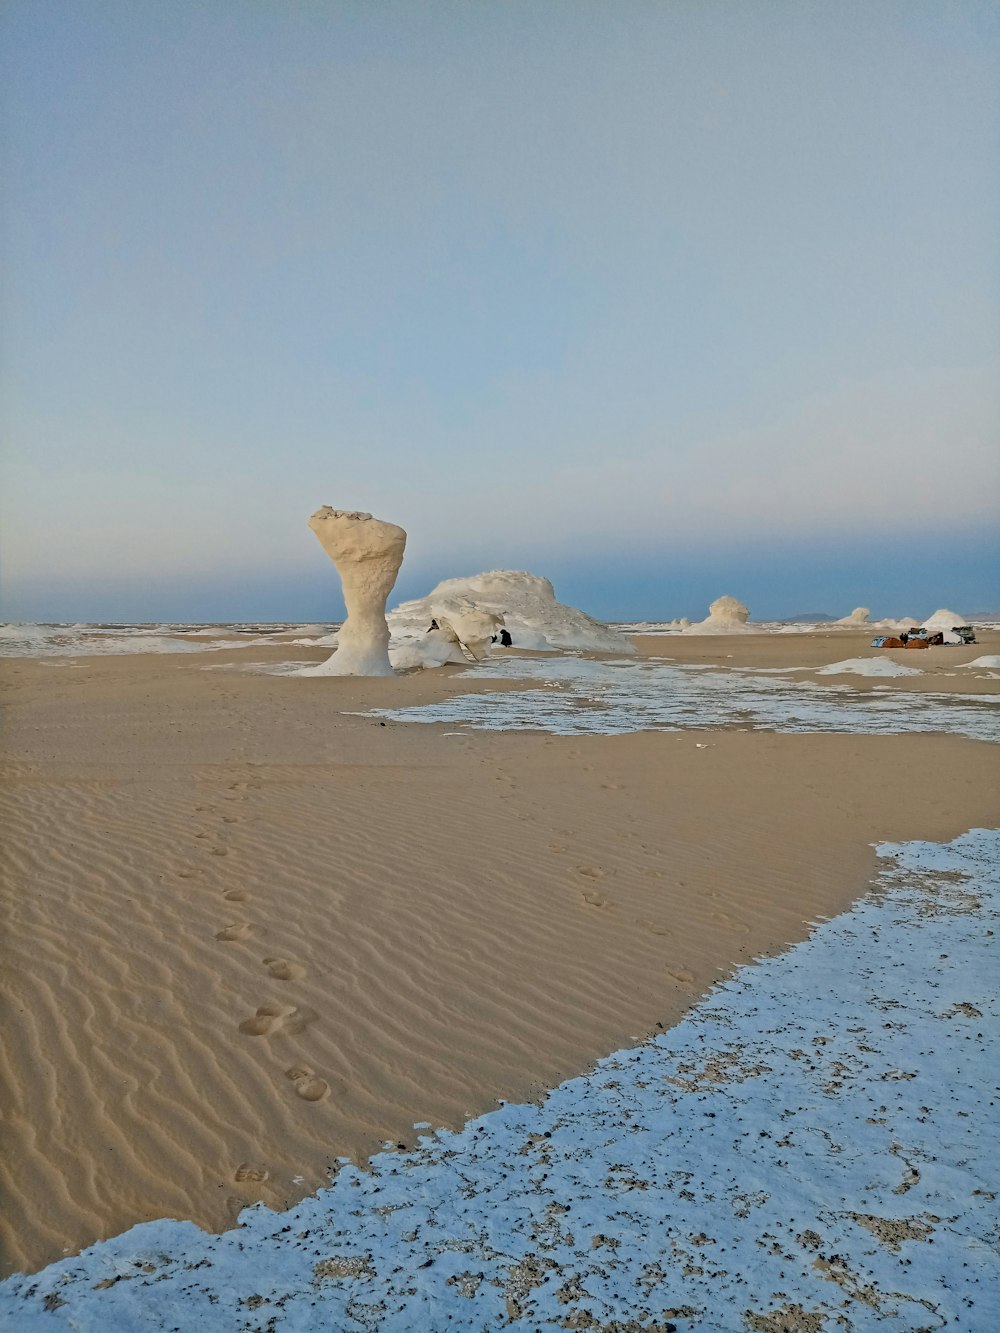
column 367, row 554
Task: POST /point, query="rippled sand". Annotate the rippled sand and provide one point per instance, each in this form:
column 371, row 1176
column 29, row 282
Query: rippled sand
column 249, row 932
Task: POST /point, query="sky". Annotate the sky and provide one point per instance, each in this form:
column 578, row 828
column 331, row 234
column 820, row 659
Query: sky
column 662, row 299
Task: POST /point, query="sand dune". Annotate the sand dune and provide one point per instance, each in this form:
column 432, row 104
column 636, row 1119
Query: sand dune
column 249, row 932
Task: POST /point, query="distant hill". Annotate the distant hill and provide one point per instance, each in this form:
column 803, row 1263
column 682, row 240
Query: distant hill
column 808, row 617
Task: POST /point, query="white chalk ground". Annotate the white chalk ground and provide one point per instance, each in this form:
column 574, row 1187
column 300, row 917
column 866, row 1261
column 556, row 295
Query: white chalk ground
column 586, row 697
column 812, row 1149
column 868, row 666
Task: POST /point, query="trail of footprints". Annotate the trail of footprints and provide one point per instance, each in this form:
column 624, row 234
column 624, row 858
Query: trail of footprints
column 269, row 1020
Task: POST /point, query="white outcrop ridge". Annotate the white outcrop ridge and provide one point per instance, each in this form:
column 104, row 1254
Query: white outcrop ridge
column 367, row 554
column 523, row 604
column 726, row 615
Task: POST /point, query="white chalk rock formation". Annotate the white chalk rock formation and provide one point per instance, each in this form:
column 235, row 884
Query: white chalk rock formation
column 367, row 554
column 525, row 604
column 458, row 632
column 894, row 623
column 943, row 619
column 725, row 616
column 469, row 625
column 858, row 618
column 435, row 648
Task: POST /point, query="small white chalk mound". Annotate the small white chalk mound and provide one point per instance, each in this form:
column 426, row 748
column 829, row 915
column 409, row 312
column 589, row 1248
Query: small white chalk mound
column 991, row 660
column 944, row 619
column 868, row 666
column 726, row 615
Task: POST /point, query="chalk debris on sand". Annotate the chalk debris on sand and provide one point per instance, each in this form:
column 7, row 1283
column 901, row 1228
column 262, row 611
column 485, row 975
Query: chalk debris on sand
column 808, row 1151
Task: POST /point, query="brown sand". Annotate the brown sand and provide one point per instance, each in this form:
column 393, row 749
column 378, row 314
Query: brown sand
column 248, row 933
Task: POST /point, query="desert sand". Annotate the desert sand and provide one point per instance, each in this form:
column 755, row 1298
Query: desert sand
column 250, row 930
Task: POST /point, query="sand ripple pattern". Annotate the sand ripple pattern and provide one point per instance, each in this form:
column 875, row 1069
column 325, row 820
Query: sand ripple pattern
column 221, row 977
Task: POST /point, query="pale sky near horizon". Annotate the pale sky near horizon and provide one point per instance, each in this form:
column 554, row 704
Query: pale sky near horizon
column 662, row 300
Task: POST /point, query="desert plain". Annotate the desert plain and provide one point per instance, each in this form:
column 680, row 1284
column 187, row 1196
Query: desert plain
column 252, row 928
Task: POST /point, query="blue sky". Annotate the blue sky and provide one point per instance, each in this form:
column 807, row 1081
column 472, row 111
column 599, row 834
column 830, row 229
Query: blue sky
column 663, row 300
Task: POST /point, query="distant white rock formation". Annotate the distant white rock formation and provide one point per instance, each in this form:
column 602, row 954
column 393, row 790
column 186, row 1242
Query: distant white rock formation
column 367, row 554
column 943, row 619
column 725, row 616
column 477, row 607
column 858, row 618
column 944, row 622
column 894, row 623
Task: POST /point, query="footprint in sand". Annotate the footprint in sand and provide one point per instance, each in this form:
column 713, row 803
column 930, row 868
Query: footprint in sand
column 312, row 1089
column 203, row 835
column 307, row 1085
column 590, row 872
column 594, row 899
column 230, row 819
column 235, row 895
column 185, row 874
column 246, row 1173
column 654, row 927
column 724, row 919
column 284, row 969
column 681, row 974
column 239, row 930
column 219, row 851
column 268, row 1019
column 272, row 1018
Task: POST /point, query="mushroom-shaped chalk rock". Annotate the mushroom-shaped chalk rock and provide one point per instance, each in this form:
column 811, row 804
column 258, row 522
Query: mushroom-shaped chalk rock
column 367, row 554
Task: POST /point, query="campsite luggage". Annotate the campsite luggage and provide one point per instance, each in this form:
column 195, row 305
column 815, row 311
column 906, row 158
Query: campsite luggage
column 915, row 642
column 879, row 641
column 965, row 632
